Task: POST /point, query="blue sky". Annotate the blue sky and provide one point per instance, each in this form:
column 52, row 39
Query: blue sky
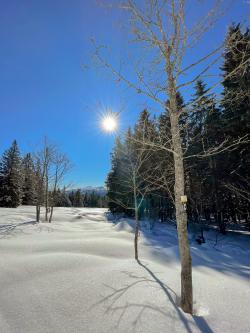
column 45, row 91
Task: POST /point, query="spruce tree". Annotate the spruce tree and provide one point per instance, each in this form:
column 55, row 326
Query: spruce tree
column 236, row 118
column 78, row 200
column 29, row 181
column 197, row 169
column 63, row 200
column 11, row 177
column 204, row 174
column 236, row 71
column 72, row 198
column 166, row 165
column 114, row 182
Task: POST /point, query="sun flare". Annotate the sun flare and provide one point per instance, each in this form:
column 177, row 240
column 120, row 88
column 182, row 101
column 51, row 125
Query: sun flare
column 109, row 122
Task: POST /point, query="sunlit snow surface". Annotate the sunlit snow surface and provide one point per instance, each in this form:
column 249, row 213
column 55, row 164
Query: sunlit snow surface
column 78, row 274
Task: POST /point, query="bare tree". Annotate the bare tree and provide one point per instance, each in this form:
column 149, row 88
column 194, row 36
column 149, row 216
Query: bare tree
column 136, row 180
column 60, row 166
column 50, row 168
column 39, row 186
column 161, row 26
column 43, row 160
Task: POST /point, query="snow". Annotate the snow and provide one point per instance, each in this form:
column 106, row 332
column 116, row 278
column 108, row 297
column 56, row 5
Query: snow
column 78, row 274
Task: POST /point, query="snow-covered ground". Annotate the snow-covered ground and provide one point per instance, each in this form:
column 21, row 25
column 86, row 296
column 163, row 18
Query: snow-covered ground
column 78, row 275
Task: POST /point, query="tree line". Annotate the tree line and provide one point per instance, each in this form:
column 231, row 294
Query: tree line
column 215, row 143
column 79, row 198
column 36, row 179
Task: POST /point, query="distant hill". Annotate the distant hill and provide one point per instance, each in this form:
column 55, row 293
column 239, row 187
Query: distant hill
column 97, row 189
column 101, row 190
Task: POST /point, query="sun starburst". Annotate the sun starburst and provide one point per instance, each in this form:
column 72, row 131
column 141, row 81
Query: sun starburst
column 109, row 122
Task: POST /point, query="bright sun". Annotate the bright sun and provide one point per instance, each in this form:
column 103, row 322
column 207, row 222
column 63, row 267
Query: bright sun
column 109, row 122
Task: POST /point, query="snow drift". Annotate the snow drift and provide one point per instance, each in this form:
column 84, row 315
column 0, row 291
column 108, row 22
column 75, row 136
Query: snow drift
column 78, row 274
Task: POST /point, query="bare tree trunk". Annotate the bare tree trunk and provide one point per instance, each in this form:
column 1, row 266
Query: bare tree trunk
column 136, row 218
column 46, row 198
column 38, row 213
column 217, row 200
column 47, row 161
column 181, row 219
column 136, row 234
column 51, row 214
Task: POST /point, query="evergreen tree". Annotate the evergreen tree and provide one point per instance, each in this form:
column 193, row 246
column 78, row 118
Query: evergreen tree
column 145, row 134
column 166, row 164
column 29, row 181
column 72, row 198
column 144, row 128
column 78, row 198
column 62, row 198
column 133, row 150
column 200, row 121
column 11, row 177
column 236, row 118
column 114, row 183
column 236, row 93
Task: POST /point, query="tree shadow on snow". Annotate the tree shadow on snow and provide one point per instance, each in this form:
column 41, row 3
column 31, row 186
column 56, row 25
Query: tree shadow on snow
column 223, row 257
column 114, row 303
column 7, row 230
column 226, row 254
column 200, row 321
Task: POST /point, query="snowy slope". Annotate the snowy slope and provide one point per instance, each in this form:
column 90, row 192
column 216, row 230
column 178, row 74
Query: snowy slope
column 78, row 275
